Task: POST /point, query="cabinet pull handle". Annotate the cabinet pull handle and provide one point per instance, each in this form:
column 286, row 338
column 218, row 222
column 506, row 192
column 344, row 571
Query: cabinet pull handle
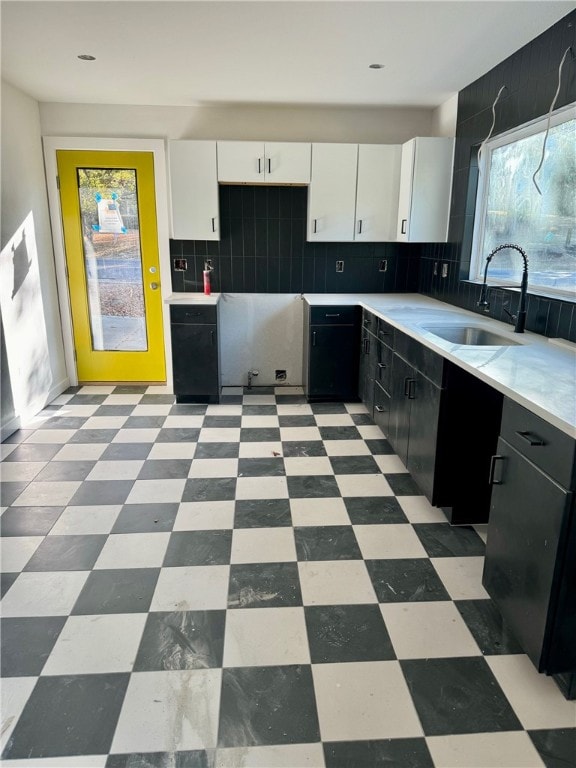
column 381, row 365
column 333, row 314
column 531, row 438
column 193, row 314
column 315, row 226
column 403, row 227
column 406, row 380
column 491, row 477
column 313, row 338
column 259, row 165
column 213, row 223
column 411, row 389
column 379, row 409
column 212, row 337
column 269, row 165
column 367, row 346
column 359, row 226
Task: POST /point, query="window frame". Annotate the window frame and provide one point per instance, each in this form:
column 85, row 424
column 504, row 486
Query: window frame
column 478, row 256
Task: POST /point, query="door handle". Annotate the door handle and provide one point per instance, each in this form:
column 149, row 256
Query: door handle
column 359, row 226
column 315, row 226
column 259, row 165
column 213, row 223
column 269, row 165
column 313, row 338
column 154, row 286
column 492, row 476
column 531, row 438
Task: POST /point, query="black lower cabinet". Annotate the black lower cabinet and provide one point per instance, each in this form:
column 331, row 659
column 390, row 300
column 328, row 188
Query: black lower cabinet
column 331, row 354
column 530, row 563
column 443, row 424
column 195, row 357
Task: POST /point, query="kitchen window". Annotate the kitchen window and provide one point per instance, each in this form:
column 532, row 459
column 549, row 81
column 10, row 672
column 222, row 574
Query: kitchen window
column 509, row 208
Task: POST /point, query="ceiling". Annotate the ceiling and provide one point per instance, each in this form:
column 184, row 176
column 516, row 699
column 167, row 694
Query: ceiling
column 189, row 52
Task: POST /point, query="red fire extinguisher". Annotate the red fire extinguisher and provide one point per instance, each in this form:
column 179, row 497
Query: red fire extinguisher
column 206, row 273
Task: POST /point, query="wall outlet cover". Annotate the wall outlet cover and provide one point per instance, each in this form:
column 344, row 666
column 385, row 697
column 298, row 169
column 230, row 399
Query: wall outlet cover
column 180, row 265
column 339, row 266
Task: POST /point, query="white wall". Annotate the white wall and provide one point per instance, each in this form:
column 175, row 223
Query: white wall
column 263, row 332
column 444, row 118
column 389, row 125
column 33, row 368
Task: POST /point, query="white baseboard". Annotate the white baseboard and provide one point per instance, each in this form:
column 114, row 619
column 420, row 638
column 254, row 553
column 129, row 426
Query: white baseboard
column 33, row 408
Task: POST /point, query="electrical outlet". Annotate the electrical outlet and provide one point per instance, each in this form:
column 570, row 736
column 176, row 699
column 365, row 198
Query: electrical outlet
column 339, row 266
column 180, row 265
column 280, row 375
column 383, row 266
column 208, row 264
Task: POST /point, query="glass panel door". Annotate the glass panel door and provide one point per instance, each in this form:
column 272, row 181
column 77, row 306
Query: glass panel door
column 111, row 242
column 112, row 258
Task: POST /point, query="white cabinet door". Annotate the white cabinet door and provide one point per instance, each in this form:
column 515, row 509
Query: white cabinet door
column 431, row 189
column 287, row 162
column 241, row 162
column 193, row 190
column 377, row 192
column 425, row 186
column 405, row 193
column 332, row 193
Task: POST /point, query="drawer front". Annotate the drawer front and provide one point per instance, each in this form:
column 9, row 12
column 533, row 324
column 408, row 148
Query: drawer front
column 337, row 315
column 429, row 363
column 383, row 366
column 191, row 314
column 385, row 333
column 550, row 449
column 381, row 408
column 369, row 321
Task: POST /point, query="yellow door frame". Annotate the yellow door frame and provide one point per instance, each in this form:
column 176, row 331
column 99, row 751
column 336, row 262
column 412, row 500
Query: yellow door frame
column 51, row 144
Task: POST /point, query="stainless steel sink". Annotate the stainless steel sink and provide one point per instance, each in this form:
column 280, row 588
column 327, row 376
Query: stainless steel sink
column 471, row 335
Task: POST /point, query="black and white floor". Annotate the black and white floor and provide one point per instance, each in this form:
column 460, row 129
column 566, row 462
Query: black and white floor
column 257, row 583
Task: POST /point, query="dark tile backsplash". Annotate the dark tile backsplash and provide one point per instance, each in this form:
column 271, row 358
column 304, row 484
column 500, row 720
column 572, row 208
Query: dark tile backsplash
column 531, row 78
column 263, row 249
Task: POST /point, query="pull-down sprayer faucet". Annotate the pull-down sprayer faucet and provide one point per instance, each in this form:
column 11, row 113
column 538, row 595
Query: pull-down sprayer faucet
column 519, row 318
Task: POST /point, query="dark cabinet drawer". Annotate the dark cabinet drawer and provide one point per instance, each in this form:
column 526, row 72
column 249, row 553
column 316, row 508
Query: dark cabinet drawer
column 381, row 408
column 385, row 332
column 190, row 314
column 338, row 315
column 544, row 445
column 383, row 365
column 369, row 321
column 429, row 363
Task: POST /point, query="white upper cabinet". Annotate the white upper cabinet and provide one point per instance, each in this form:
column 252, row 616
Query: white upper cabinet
column 193, row 190
column 377, row 192
column 354, row 192
column 256, row 162
column 332, row 193
column 425, row 186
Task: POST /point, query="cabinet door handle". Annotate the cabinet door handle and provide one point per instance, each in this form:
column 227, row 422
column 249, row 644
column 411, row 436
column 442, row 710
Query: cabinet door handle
column 332, row 315
column 359, row 226
column 531, row 438
column 212, row 337
column 315, row 226
column 403, row 227
column 193, row 314
column 269, row 165
column 411, row 389
column 366, row 346
column 379, row 409
column 259, row 165
column 492, row 476
column 213, row 223
column 313, row 338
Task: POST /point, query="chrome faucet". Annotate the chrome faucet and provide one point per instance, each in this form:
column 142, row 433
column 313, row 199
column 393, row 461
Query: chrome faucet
column 520, row 317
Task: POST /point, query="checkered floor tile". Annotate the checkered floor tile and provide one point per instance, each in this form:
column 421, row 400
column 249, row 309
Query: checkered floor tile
column 255, row 583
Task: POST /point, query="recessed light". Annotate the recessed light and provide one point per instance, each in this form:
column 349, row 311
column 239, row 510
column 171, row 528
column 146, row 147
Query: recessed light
column 376, row 66
column 87, row 57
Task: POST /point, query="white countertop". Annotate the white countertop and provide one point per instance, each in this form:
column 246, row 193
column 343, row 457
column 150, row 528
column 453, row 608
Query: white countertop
column 192, row 298
column 537, row 373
